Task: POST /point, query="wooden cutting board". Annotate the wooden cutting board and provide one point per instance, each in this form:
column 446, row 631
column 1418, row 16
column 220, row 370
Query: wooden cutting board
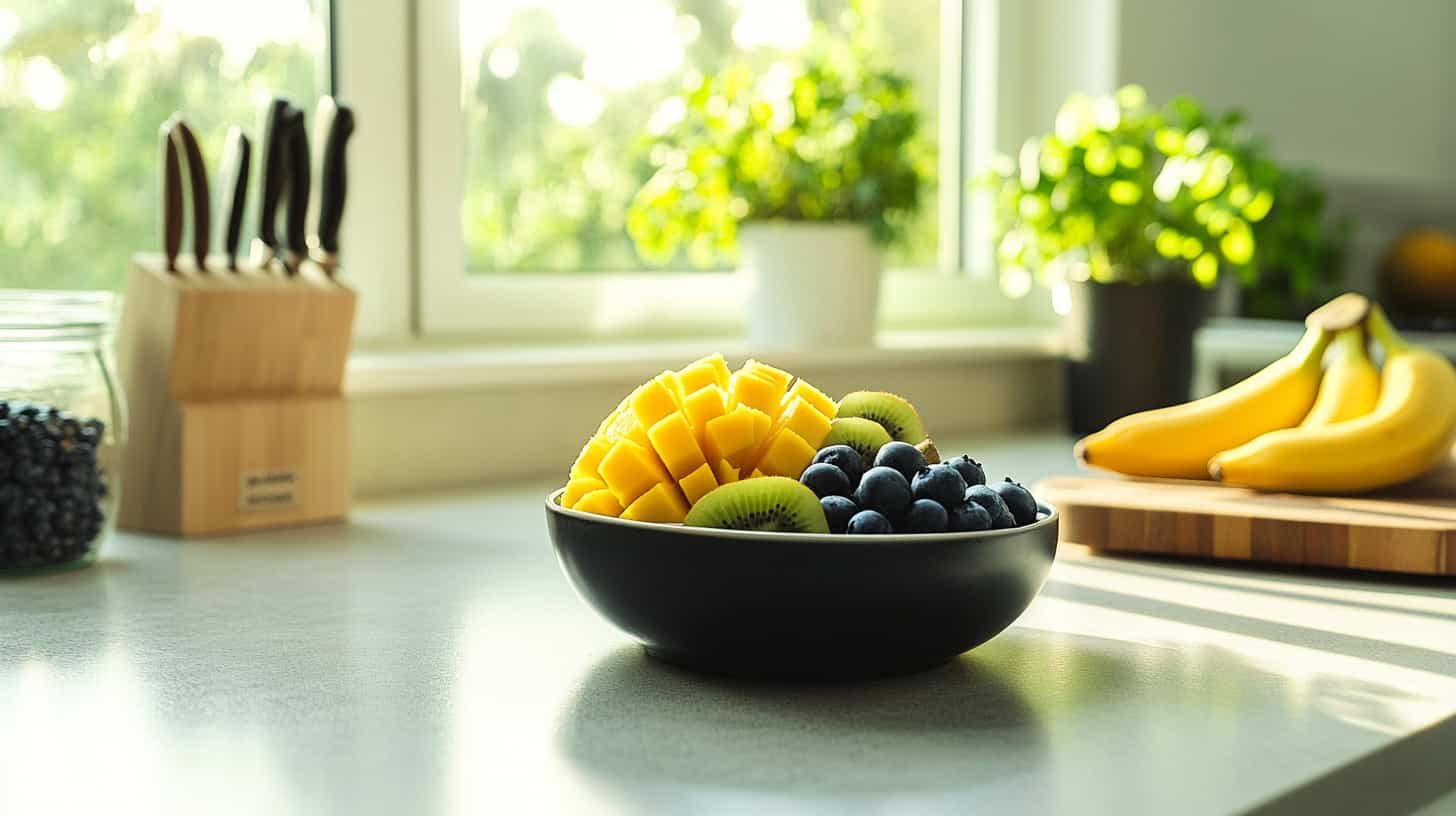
column 1411, row 529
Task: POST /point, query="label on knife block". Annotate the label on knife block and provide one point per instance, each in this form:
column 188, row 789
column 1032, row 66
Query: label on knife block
column 269, row 489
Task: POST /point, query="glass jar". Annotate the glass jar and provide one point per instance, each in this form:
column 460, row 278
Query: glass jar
column 62, row 425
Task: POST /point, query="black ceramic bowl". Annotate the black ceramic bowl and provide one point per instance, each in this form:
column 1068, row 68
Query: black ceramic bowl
column 799, row 605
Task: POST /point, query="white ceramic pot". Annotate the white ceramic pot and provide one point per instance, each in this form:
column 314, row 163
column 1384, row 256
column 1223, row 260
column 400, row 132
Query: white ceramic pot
column 809, row 284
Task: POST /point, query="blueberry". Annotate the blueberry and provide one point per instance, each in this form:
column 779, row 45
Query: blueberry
column 884, row 490
column 902, row 457
column 1020, row 501
column 845, row 458
column 870, row 522
column 838, row 510
column 925, row 516
column 991, row 501
column 940, row 483
column 969, row 469
column 969, row 517
column 826, row 480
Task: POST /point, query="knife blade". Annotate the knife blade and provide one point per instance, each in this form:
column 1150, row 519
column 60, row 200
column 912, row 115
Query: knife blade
column 334, row 125
column 295, row 222
column 272, row 179
column 197, row 183
column 171, row 194
column 236, row 163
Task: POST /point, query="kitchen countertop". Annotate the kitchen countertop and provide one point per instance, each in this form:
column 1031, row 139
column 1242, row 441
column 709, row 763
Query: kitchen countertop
column 429, row 657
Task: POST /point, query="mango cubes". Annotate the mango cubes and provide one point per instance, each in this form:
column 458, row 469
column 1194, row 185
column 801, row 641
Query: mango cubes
column 680, row 435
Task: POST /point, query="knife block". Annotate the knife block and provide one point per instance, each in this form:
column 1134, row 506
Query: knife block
column 234, row 385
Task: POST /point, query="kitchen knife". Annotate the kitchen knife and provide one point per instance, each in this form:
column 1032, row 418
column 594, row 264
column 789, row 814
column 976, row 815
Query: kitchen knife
column 333, row 124
column 295, row 221
column 171, row 198
column 236, row 161
column 197, row 184
column 272, row 179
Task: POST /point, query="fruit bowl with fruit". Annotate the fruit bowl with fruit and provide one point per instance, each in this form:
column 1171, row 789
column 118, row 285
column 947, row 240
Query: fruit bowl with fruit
column 746, row 523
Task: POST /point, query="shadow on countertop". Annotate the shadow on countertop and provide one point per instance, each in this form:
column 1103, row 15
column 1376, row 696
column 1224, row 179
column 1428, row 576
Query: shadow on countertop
column 970, row 723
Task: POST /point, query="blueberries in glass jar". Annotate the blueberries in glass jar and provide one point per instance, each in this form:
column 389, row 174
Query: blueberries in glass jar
column 51, row 485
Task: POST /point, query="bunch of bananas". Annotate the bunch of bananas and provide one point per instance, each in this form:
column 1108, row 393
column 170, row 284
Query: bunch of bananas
column 1298, row 425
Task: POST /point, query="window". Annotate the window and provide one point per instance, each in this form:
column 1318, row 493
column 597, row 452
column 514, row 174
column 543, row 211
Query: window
column 494, row 157
column 557, row 94
column 529, row 116
column 84, row 86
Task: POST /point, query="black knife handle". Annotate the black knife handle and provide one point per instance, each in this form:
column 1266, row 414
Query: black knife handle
column 201, row 198
column 334, row 180
column 171, row 194
column 295, row 222
column 236, row 164
column 271, row 164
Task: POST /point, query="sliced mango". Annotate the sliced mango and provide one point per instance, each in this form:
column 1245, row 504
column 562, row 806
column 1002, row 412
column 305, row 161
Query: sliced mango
column 676, row 446
column 702, row 406
column 580, row 486
column 710, row 370
column 787, row 455
column 726, row 473
column 747, row 388
column 601, row 502
column 655, row 399
column 762, row 426
column 660, row 504
column 777, row 376
column 805, row 420
column 757, row 474
column 589, row 460
column 698, row 484
column 627, row 426
column 730, row 435
column 631, row 470
column 821, row 401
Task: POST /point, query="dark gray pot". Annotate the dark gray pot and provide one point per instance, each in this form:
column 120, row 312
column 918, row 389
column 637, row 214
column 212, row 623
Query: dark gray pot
column 1129, row 348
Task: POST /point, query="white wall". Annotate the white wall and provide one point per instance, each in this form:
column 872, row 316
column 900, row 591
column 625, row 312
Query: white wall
column 1363, row 91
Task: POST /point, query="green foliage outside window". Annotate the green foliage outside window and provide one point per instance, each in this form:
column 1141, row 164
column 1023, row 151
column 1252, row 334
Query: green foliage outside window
column 832, row 136
column 84, row 86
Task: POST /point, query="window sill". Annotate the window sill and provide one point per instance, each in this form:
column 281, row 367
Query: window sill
column 527, row 409
column 426, row 368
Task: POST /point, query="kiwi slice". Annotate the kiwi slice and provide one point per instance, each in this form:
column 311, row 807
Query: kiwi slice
column 929, row 451
column 864, row 435
column 773, row 503
column 894, row 413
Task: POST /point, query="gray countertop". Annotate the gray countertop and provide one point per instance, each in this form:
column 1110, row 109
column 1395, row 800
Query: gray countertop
column 430, row 658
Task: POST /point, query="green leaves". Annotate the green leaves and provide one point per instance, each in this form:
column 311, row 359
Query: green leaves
column 833, row 136
column 1121, row 190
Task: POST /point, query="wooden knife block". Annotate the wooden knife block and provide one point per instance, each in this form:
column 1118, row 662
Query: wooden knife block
column 234, row 385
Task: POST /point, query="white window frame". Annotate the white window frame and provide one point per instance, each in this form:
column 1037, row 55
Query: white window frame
column 523, row 305
column 398, row 63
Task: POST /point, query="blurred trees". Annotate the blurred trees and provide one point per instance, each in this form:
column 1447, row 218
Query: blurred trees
column 84, row 85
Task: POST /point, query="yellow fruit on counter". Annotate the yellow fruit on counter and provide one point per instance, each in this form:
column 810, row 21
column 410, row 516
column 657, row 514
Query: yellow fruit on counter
column 1351, row 385
column 682, row 434
column 1177, row 442
column 1410, row 431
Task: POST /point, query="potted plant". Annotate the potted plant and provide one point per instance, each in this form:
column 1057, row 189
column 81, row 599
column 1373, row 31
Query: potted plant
column 806, row 169
column 1132, row 212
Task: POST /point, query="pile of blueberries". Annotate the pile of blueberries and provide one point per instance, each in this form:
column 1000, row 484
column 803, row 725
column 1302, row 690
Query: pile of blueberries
column 901, row 493
column 51, row 486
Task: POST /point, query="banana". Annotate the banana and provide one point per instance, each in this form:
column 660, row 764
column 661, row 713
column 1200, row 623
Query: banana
column 1178, row 441
column 1351, row 386
column 1410, row 431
